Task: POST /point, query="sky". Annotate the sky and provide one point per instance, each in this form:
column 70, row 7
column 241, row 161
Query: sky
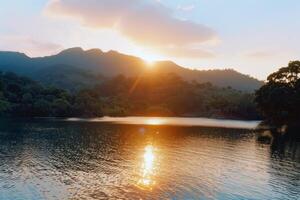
column 254, row 37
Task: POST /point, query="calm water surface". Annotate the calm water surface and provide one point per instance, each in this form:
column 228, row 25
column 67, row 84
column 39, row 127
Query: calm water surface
column 77, row 159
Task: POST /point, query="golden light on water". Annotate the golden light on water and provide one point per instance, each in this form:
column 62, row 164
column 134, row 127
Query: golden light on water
column 146, row 180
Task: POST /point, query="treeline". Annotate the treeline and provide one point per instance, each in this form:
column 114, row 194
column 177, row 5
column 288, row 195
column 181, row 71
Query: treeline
column 279, row 99
column 20, row 96
column 156, row 94
column 148, row 95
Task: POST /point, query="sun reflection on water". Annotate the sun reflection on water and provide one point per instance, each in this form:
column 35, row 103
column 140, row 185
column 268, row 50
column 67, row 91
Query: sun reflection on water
column 154, row 121
column 147, row 173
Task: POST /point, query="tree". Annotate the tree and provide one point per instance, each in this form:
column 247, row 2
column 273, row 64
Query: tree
column 279, row 100
column 61, row 108
column 287, row 75
column 41, row 108
column 27, row 98
column 87, row 104
column 4, row 106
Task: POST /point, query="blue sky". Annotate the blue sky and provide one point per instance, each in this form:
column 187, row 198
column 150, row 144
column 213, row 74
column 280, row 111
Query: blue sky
column 254, row 37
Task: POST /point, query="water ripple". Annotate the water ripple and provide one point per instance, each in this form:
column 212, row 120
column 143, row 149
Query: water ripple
column 63, row 160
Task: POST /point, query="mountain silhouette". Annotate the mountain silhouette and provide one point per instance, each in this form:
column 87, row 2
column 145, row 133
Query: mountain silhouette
column 76, row 68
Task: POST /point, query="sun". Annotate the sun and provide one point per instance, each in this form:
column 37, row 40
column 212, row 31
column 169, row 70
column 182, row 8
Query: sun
column 154, row 121
column 150, row 59
column 149, row 63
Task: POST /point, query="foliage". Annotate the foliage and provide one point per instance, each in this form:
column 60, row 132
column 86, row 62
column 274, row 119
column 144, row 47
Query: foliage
column 151, row 94
column 279, row 99
column 169, row 95
column 87, row 104
column 20, row 96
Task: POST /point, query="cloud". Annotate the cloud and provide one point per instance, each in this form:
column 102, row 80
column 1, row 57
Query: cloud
column 145, row 22
column 186, row 7
column 27, row 45
column 260, row 55
column 185, row 52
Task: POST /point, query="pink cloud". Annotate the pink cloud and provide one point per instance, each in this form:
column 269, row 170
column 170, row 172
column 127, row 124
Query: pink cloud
column 29, row 46
column 144, row 22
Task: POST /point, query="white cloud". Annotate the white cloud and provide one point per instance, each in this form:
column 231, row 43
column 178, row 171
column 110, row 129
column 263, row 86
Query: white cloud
column 260, row 55
column 186, row 7
column 28, row 45
column 146, row 23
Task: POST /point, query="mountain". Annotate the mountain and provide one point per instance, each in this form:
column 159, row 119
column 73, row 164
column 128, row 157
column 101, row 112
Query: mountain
column 67, row 77
column 75, row 67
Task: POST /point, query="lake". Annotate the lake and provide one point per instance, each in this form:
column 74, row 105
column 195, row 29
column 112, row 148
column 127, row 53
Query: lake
column 143, row 158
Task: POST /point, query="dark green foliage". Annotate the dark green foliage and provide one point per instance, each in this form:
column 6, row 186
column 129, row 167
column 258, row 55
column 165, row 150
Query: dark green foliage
column 67, row 77
column 4, row 106
column 279, row 99
column 87, row 104
column 169, row 95
column 152, row 94
column 23, row 97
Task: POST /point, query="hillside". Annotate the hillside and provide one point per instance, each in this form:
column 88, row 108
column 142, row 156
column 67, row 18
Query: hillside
column 153, row 96
column 84, row 66
column 67, row 77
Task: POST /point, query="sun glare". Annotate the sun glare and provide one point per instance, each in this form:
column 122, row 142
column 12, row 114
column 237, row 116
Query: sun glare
column 149, row 63
column 154, row 121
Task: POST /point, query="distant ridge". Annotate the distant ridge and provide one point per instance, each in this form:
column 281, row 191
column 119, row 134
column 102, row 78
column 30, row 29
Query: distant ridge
column 85, row 66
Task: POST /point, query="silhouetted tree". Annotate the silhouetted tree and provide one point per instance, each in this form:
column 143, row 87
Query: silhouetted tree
column 279, row 99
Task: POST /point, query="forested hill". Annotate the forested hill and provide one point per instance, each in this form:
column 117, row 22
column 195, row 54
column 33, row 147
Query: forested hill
column 120, row 96
column 84, row 67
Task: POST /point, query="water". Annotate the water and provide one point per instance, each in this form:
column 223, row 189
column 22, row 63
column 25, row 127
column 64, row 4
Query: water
column 173, row 121
column 48, row 159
